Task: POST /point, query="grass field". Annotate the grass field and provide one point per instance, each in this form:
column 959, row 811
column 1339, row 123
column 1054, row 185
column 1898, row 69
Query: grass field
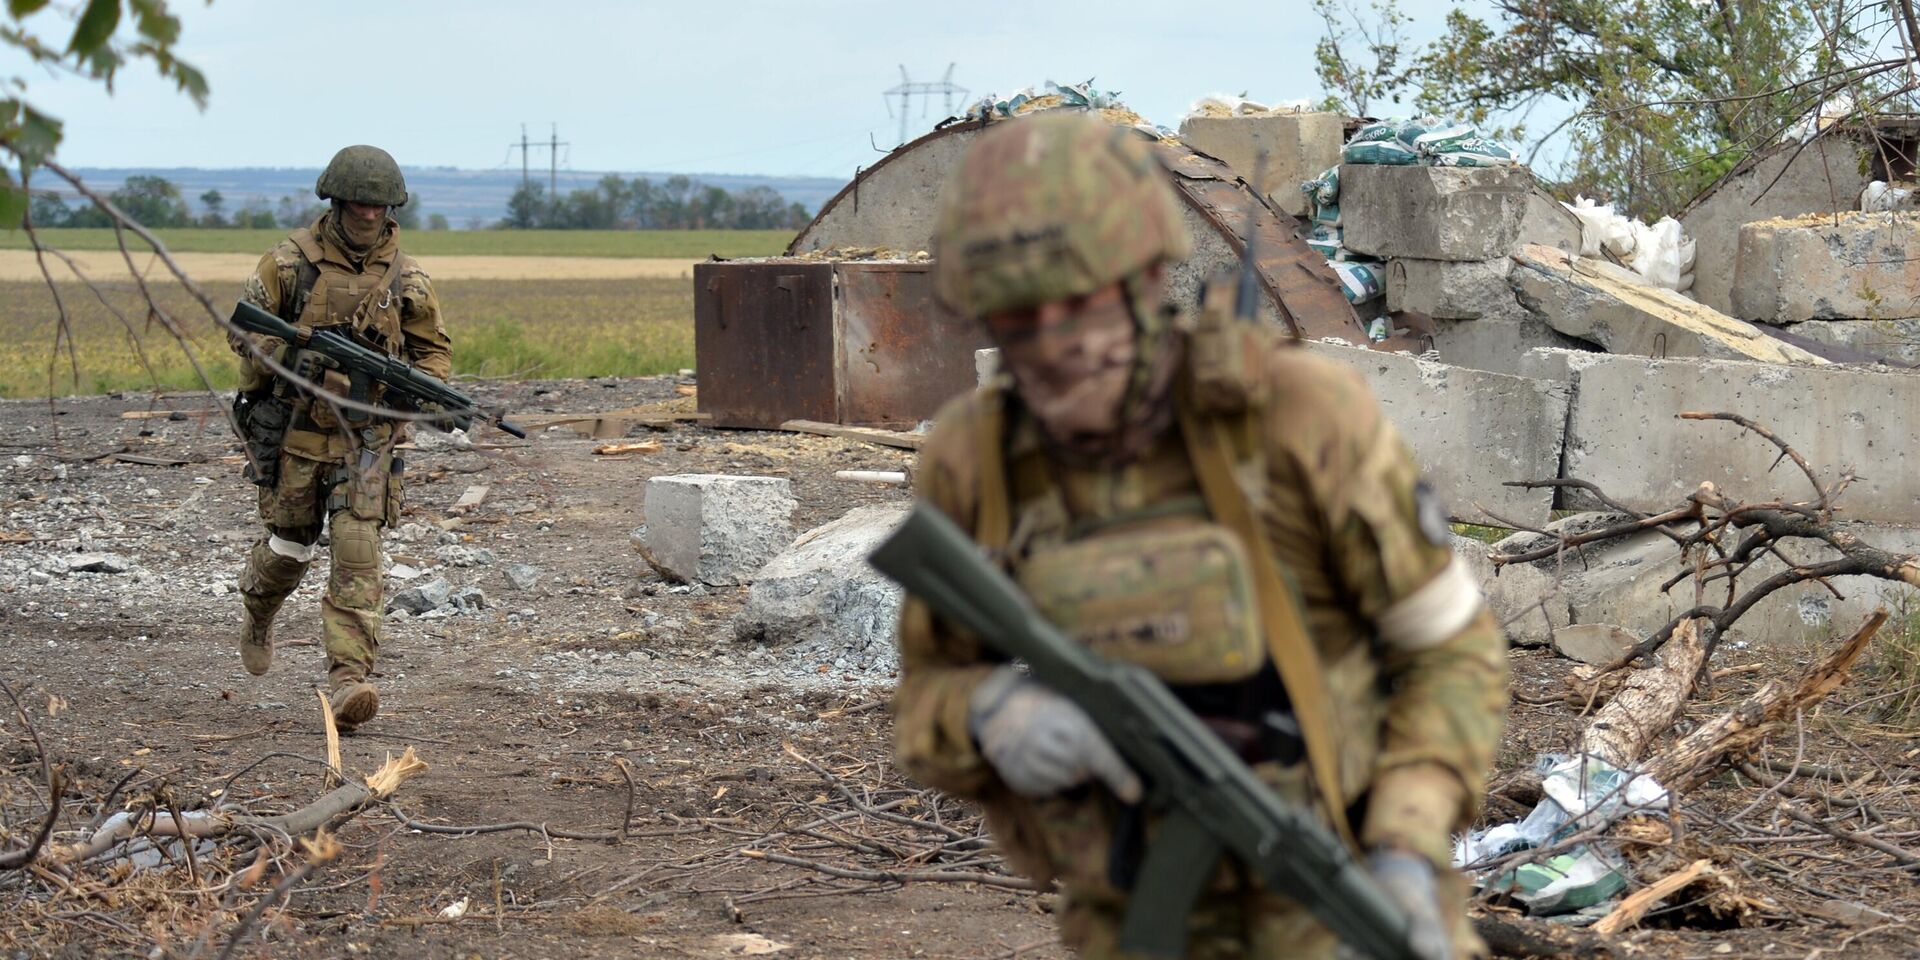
column 529, row 328
column 675, row 244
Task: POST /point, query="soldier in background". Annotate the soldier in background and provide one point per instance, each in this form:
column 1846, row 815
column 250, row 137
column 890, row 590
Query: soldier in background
column 335, row 468
column 1230, row 512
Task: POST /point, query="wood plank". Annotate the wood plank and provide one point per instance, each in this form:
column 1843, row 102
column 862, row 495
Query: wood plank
column 469, row 499
column 622, row 449
column 889, row 438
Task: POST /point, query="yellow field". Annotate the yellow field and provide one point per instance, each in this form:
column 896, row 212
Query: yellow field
column 526, row 328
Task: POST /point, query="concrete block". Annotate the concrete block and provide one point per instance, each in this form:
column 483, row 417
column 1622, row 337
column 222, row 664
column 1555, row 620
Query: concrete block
column 1623, row 434
column 1866, row 267
column 1893, row 339
column 1784, row 180
column 1521, row 596
column 1499, row 344
column 1298, row 147
column 1599, row 644
column 1470, row 430
column 986, row 363
column 716, row 529
column 821, row 600
column 1610, row 306
column 1452, row 289
column 1619, row 583
column 1433, row 213
column 1549, row 223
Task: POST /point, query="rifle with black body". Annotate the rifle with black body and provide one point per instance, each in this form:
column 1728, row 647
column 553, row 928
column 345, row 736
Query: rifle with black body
column 263, row 416
column 1211, row 802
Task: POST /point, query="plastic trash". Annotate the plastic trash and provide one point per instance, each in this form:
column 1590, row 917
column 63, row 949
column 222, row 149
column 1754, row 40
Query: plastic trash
column 1882, row 197
column 1662, row 253
column 1565, row 882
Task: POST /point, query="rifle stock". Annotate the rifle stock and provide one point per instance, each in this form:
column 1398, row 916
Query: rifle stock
column 1213, row 802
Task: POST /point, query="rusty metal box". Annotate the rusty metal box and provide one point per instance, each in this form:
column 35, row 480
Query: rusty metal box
column 841, row 341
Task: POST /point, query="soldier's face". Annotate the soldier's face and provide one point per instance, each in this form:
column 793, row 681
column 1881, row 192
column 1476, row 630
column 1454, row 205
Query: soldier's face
column 366, row 212
column 1071, row 359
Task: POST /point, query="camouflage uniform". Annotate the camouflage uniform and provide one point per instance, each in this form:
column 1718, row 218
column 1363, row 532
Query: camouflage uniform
column 1128, row 557
column 338, row 474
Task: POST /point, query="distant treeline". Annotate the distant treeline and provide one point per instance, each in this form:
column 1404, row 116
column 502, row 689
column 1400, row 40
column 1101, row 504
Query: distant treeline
column 156, row 202
column 676, row 203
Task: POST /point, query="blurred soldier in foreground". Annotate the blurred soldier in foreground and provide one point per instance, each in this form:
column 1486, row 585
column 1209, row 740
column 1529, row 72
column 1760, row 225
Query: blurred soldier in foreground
column 318, row 464
column 1099, row 470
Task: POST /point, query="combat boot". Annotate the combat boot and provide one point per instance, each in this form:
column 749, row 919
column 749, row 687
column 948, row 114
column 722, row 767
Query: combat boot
column 256, row 642
column 355, row 701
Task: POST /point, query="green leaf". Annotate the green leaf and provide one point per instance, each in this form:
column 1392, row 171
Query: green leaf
column 13, row 203
column 20, row 8
column 96, row 27
column 37, row 136
column 154, row 22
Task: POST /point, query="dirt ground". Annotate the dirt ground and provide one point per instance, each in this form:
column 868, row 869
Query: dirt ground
column 527, row 709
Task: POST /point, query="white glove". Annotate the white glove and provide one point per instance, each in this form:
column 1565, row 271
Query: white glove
column 1407, row 880
column 1042, row 743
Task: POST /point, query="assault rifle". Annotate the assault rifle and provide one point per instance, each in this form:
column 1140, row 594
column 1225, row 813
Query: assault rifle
column 1212, row 803
column 407, row 388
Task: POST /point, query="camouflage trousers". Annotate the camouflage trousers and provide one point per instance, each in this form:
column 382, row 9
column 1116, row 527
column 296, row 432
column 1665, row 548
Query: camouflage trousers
column 352, row 505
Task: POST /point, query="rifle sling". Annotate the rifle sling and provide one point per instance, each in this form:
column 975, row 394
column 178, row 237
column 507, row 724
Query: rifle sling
column 1210, row 448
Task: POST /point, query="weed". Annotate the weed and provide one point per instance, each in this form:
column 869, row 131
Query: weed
column 675, row 244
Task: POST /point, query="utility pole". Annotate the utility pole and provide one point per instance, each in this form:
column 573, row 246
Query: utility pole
column 554, row 143
column 523, row 156
column 907, row 89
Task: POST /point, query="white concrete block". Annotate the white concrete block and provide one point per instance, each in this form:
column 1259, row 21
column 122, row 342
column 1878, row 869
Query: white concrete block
column 1859, row 266
column 1470, row 430
column 717, row 529
column 821, row 600
column 1433, row 213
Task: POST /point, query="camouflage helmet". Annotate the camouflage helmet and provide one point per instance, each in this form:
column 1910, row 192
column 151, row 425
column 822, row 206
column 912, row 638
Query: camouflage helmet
column 1049, row 207
column 363, row 174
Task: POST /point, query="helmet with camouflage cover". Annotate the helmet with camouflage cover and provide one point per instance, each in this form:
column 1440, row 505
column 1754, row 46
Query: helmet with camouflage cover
column 1050, row 207
column 363, row 174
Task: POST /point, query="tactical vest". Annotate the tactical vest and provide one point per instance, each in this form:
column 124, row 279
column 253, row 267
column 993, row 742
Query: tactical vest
column 328, row 294
column 1187, row 586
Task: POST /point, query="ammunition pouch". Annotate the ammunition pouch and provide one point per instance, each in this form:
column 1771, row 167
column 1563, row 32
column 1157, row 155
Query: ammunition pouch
column 263, row 417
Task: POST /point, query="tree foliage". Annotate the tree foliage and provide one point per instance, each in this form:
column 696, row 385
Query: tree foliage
column 95, row 47
column 1659, row 97
column 1358, row 57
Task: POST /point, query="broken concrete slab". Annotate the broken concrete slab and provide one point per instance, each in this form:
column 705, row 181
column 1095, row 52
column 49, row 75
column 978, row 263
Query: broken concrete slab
column 1452, row 289
column 1863, row 266
column 1623, row 434
column 1522, row 597
column 1296, row 147
column 1549, row 223
column 821, row 600
column 1619, row 584
column 1433, row 213
column 1499, row 344
column 1598, row 644
column 716, row 529
column 1609, row 305
column 1897, row 340
column 1470, row 430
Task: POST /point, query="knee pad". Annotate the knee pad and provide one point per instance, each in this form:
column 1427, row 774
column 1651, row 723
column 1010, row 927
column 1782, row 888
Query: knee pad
column 356, row 543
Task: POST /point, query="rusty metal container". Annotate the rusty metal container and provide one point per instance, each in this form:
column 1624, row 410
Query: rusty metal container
column 842, row 341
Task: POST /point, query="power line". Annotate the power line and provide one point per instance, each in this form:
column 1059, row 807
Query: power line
column 552, row 146
column 907, row 89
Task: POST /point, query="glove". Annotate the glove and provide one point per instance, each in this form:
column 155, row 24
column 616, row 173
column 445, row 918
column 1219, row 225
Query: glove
column 1407, row 880
column 1042, row 743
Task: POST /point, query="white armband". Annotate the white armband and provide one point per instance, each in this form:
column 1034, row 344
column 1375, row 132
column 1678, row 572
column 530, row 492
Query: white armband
column 1433, row 614
column 302, row 552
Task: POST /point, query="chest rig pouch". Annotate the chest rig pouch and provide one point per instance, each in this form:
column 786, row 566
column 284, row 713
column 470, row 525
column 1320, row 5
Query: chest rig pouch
column 335, row 296
column 1177, row 599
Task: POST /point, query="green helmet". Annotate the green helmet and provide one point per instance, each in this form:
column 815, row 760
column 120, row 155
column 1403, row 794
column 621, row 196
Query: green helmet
column 1048, row 207
column 363, row 174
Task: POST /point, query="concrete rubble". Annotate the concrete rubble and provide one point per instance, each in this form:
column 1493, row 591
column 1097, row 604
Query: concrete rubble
column 716, row 529
column 1471, row 430
column 1433, row 213
column 1607, row 305
column 1297, row 147
column 1841, row 267
column 1452, row 289
column 821, row 602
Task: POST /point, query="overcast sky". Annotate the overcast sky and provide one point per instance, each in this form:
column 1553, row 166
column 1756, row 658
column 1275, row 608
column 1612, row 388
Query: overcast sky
column 724, row 86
